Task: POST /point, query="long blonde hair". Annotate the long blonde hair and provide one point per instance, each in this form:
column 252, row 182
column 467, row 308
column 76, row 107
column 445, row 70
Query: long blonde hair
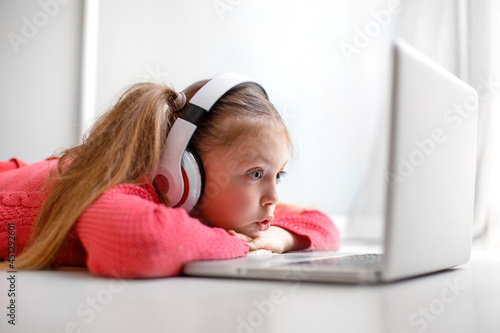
column 124, row 146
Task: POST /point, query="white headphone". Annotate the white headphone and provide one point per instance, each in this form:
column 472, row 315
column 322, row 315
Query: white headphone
column 180, row 172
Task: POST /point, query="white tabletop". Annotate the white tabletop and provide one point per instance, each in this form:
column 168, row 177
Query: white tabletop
column 464, row 299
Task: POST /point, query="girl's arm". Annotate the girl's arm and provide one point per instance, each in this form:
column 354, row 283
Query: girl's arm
column 127, row 236
column 312, row 226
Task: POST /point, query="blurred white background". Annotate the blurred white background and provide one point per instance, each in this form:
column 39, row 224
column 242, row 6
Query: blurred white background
column 325, row 65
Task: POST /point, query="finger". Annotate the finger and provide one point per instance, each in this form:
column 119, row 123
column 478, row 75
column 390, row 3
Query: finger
column 257, row 243
column 251, row 246
column 240, row 236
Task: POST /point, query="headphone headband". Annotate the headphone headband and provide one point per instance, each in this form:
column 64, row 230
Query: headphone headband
column 169, row 177
column 214, row 89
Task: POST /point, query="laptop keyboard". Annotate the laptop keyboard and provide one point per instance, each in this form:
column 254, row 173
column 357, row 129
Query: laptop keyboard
column 353, row 260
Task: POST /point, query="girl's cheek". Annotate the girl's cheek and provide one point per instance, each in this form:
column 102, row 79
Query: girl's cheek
column 238, row 203
column 232, row 210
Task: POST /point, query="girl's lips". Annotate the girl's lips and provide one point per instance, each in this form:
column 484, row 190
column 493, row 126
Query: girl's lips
column 263, row 226
column 265, row 223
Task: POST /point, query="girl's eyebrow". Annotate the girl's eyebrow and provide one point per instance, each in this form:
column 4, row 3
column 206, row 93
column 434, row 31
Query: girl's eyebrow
column 262, row 160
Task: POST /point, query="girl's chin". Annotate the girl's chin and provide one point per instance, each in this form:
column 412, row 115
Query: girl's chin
column 253, row 234
column 249, row 232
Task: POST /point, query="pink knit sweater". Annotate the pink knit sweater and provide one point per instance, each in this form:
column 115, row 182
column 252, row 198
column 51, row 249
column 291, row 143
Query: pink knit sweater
column 127, row 232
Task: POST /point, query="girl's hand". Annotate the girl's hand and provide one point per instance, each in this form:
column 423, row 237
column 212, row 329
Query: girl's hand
column 275, row 239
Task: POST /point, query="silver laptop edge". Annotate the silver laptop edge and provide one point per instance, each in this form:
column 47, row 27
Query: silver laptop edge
column 431, row 168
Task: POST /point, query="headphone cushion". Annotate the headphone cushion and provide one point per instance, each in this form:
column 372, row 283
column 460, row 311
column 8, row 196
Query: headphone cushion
column 194, row 179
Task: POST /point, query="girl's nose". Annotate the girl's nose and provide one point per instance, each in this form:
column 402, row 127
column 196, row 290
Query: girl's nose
column 270, row 197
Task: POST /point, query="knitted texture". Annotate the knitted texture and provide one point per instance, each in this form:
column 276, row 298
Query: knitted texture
column 317, row 227
column 20, row 199
column 128, row 233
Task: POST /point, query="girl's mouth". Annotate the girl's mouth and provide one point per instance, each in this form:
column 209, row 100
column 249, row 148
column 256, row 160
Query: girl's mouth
column 265, row 223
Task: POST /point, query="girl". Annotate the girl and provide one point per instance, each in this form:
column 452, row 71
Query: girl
column 98, row 206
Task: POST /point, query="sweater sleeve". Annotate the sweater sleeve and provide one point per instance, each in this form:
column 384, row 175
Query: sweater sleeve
column 13, row 163
column 317, row 227
column 128, row 236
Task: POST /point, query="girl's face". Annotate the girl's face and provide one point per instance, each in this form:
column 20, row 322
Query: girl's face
column 241, row 184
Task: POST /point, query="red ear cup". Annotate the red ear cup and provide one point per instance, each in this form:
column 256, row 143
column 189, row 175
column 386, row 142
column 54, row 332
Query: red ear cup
column 161, row 183
column 186, row 188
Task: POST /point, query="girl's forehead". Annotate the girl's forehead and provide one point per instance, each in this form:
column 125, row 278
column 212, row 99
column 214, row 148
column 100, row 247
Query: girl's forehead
column 245, row 142
column 265, row 134
column 268, row 148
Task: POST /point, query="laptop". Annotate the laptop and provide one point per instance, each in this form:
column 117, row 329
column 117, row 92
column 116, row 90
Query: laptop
column 429, row 193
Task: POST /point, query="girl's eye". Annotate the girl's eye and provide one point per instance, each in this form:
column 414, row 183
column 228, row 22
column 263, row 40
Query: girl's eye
column 256, row 174
column 280, row 176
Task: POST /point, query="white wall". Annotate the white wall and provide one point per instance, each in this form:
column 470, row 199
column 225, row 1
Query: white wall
column 39, row 80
